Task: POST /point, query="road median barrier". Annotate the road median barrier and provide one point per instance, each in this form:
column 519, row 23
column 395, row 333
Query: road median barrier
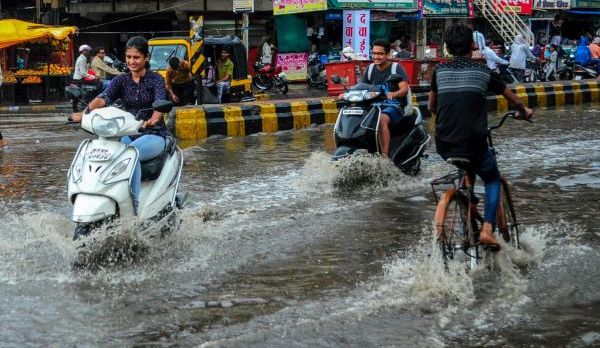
column 198, row 122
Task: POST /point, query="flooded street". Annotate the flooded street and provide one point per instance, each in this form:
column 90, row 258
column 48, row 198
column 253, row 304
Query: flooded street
column 271, row 253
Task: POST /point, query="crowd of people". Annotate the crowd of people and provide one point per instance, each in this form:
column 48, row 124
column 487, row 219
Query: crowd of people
column 91, row 68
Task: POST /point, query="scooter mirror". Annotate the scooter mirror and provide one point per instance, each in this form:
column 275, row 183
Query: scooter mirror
column 72, row 92
column 162, row 105
column 336, row 79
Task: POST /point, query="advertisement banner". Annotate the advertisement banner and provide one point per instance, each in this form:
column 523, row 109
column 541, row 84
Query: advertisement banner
column 551, row 4
column 373, row 4
column 294, row 65
column 446, row 8
column 523, row 7
column 348, row 29
column 357, row 32
column 282, row 7
column 243, row 6
column 586, row 3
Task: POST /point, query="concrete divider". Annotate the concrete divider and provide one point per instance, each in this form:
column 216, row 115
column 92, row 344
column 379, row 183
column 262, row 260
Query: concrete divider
column 193, row 123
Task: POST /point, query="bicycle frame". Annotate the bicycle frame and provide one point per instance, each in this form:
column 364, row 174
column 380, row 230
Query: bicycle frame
column 469, row 218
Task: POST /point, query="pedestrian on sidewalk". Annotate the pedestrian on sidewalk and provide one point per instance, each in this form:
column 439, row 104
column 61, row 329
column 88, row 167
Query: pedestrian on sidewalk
column 518, row 58
column 179, row 82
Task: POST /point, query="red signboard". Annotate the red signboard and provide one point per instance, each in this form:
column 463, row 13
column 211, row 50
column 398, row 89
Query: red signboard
column 523, row 7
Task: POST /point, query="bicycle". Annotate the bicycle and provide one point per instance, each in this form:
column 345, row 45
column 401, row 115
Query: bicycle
column 457, row 219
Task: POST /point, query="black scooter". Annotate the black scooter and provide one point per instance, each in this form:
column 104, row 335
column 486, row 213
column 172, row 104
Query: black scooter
column 357, row 127
column 315, row 74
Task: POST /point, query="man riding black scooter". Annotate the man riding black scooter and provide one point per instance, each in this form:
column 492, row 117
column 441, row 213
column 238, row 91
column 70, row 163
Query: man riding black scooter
column 377, row 74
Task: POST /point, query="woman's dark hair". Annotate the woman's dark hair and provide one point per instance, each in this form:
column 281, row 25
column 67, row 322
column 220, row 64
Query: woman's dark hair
column 174, row 63
column 458, row 39
column 98, row 49
column 140, row 44
column 382, row 43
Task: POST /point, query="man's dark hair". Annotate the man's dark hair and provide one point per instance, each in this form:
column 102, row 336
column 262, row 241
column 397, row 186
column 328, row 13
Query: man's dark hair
column 174, row 62
column 382, row 43
column 458, row 39
column 98, row 49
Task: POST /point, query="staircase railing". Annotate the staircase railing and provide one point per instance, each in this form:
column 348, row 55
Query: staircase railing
column 504, row 20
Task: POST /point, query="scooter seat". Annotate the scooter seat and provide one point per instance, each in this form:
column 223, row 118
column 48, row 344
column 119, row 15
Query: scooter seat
column 151, row 168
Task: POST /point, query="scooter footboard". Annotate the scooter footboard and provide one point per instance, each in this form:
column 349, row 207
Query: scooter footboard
column 92, row 208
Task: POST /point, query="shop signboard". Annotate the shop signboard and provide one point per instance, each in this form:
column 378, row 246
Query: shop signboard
column 551, row 4
column 373, row 4
column 356, row 31
column 446, row 8
column 523, row 7
column 294, row 65
column 240, row 6
column 283, row 7
column 585, row 3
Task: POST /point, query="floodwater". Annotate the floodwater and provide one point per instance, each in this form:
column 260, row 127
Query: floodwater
column 271, row 253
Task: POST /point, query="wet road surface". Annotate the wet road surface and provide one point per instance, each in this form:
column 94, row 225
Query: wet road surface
column 270, row 253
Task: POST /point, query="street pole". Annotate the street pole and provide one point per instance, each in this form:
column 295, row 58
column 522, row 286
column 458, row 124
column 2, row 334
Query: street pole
column 245, row 36
column 38, row 10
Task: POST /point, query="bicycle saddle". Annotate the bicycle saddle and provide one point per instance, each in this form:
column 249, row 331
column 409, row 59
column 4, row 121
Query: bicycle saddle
column 458, row 160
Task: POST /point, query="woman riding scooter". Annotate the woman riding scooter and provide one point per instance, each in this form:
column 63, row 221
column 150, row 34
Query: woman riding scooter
column 137, row 89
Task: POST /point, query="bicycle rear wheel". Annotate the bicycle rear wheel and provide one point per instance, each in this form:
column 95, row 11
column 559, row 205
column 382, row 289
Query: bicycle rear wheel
column 508, row 227
column 453, row 231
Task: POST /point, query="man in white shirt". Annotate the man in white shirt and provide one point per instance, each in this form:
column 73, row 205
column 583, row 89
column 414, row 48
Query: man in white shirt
column 80, row 70
column 491, row 58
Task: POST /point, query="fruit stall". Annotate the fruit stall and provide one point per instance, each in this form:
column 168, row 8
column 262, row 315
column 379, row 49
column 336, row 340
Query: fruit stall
column 36, row 61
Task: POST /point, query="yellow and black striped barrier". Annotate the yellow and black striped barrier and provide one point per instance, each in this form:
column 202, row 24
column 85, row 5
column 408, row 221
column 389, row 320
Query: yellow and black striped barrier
column 198, row 122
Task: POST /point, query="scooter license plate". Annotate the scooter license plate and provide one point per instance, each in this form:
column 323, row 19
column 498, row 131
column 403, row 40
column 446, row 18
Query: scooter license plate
column 99, row 154
column 355, row 112
column 578, row 77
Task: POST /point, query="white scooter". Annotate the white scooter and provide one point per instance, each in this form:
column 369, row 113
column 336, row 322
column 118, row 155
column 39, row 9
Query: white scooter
column 100, row 175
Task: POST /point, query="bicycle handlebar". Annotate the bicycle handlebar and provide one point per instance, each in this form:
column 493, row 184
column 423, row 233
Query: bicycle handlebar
column 512, row 114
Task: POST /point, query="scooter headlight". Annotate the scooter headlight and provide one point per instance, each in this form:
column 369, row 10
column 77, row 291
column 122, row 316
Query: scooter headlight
column 117, row 170
column 372, row 95
column 106, row 127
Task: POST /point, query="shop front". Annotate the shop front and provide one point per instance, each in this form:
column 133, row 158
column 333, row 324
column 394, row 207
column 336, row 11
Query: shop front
column 36, row 61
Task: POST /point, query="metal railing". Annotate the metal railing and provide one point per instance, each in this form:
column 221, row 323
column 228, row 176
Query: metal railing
column 505, row 21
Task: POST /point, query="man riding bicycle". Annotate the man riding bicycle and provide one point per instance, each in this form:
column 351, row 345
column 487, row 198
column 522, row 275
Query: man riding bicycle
column 458, row 96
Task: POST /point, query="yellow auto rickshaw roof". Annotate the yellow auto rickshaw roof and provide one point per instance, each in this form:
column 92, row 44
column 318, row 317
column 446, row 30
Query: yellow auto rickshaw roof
column 14, row 31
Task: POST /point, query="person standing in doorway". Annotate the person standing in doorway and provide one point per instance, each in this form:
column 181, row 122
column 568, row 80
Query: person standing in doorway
column 266, row 50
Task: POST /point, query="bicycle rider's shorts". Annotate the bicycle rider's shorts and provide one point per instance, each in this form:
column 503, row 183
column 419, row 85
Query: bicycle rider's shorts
column 395, row 112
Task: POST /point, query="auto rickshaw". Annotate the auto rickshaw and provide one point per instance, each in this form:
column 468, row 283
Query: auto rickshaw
column 163, row 48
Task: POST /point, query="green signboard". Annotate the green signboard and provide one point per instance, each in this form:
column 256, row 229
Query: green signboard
column 585, row 3
column 370, row 5
column 446, row 8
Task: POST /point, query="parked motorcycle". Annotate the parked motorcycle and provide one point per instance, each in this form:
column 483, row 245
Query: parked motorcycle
column 582, row 72
column 357, row 127
column 100, row 174
column 112, row 61
column 268, row 76
column 566, row 71
column 316, row 75
column 507, row 74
